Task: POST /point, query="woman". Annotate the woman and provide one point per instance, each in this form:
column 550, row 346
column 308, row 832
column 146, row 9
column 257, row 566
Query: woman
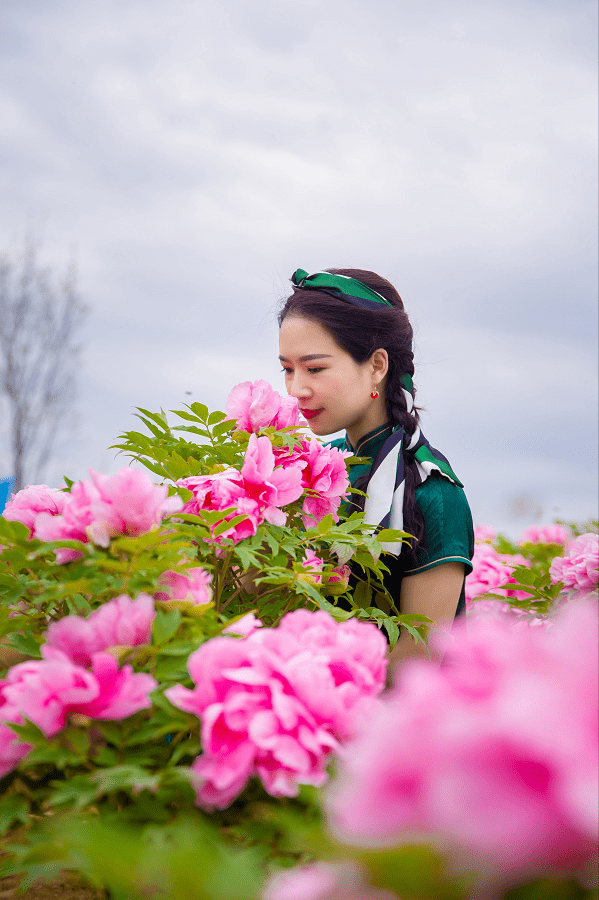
column 346, row 350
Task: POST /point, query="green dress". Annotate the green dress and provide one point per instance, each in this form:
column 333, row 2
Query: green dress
column 448, row 531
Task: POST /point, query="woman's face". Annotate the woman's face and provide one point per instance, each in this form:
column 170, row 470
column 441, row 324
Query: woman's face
column 332, row 389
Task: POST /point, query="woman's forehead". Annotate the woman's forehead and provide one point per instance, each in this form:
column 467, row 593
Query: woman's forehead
column 302, row 338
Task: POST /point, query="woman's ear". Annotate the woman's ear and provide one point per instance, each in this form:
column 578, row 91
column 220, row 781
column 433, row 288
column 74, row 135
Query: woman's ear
column 380, row 364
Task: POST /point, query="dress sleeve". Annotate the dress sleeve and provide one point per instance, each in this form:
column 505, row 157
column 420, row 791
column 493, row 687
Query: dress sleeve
column 448, row 531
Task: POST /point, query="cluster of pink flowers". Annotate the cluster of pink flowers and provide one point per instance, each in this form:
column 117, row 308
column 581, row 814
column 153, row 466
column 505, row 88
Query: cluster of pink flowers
column 76, row 676
column 469, row 753
column 277, row 702
column 95, row 510
column 578, row 569
column 323, row 881
column 255, row 405
column 492, row 572
column 324, row 473
column 257, row 491
column 324, row 477
column 546, row 534
column 192, row 585
column 269, row 479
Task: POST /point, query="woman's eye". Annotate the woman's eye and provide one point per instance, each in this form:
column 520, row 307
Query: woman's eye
column 286, row 370
column 315, row 371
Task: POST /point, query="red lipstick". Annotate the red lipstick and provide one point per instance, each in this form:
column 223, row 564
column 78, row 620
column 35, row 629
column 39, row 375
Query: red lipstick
column 310, row 413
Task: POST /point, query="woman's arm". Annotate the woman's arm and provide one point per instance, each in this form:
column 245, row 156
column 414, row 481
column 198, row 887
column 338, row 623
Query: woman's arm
column 434, row 593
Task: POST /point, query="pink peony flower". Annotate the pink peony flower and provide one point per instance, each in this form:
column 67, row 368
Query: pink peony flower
column 469, row 754
column 121, row 622
column 257, row 491
column 549, row 534
column 276, row 703
column 57, row 528
column 12, row 748
column 271, row 487
column 47, row 691
column 128, row 503
column 255, row 405
column 492, row 573
column 26, row 505
column 323, row 881
column 340, row 575
column 314, row 565
column 192, row 584
column 483, row 533
column 104, row 507
column 324, row 477
column 578, row 569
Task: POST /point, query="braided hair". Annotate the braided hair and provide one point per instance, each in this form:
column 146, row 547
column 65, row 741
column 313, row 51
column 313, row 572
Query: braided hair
column 360, row 332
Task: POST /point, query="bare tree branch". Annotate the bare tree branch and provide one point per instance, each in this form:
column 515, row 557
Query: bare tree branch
column 38, row 355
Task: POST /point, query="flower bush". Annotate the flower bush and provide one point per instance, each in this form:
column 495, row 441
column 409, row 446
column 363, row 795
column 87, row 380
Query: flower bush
column 187, row 659
column 277, row 702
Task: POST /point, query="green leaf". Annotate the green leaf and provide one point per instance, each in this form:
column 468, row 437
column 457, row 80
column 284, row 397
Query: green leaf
column 325, row 524
column 12, row 809
column 159, row 418
column 223, row 428
column 165, row 625
column 25, row 643
column 218, row 416
column 230, row 523
column 76, row 792
column 392, row 535
column 246, row 558
column 363, row 594
column 200, row 410
column 189, row 417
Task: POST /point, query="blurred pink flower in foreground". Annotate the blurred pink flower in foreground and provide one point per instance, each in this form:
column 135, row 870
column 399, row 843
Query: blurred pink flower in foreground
column 484, row 533
column 256, row 405
column 257, row 491
column 578, row 569
column 547, row 534
column 323, row 881
column 26, row 504
column 49, row 690
column 493, row 754
column 492, row 573
column 121, row 622
column 191, row 584
column 276, row 703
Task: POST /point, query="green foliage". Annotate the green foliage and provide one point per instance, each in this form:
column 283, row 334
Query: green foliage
column 113, row 801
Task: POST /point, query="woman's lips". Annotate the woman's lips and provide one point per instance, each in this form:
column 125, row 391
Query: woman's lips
column 310, row 413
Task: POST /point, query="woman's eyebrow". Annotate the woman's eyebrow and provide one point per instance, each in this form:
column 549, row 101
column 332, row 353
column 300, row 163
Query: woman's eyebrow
column 308, row 357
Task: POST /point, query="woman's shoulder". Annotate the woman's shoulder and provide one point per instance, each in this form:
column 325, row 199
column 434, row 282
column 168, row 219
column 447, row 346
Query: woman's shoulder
column 338, row 442
column 448, row 528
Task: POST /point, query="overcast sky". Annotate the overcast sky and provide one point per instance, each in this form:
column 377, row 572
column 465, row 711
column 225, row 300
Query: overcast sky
column 193, row 154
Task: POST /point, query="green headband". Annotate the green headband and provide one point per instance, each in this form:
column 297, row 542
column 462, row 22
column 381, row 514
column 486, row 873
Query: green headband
column 341, row 286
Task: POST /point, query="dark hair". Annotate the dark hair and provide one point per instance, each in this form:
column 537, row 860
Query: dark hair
column 360, row 332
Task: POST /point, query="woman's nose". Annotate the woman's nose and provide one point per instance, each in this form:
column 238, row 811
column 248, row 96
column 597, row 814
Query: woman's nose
column 298, row 386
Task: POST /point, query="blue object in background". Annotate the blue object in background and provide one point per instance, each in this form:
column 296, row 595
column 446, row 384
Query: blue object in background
column 6, row 486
